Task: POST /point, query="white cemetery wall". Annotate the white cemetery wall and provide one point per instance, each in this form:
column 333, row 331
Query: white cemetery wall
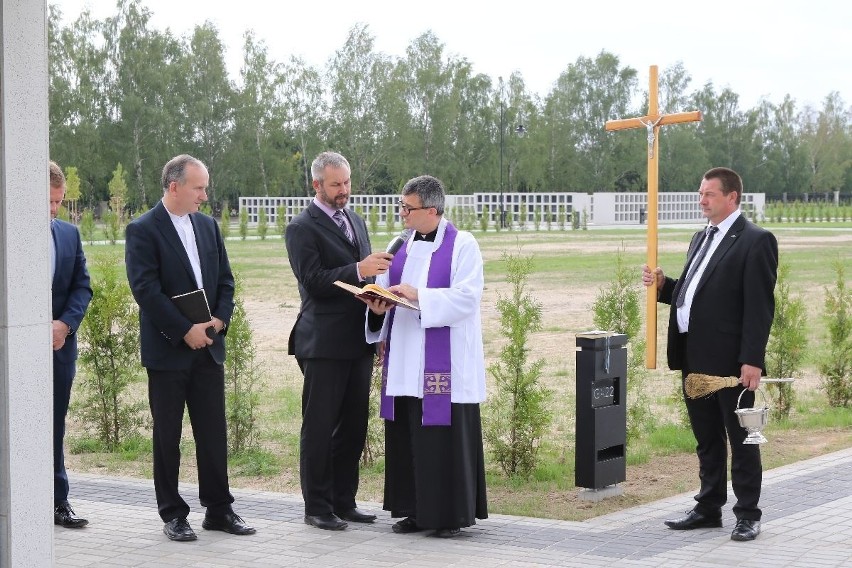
column 520, row 209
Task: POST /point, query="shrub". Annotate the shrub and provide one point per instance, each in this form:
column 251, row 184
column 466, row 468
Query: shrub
column 109, row 355
column 87, row 226
column 281, row 220
column 788, row 342
column 225, row 223
column 617, row 308
column 469, row 217
column 242, row 380
column 243, row 223
column 835, row 365
column 112, row 225
column 518, row 414
column 262, row 223
column 483, row 219
column 390, row 220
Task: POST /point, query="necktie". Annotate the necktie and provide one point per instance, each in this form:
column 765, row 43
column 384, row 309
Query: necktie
column 341, row 222
column 708, row 238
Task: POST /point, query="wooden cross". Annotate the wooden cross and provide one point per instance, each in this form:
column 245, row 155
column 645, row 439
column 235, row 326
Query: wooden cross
column 652, row 122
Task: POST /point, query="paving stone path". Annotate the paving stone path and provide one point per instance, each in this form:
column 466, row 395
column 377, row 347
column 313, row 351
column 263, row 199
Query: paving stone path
column 807, row 511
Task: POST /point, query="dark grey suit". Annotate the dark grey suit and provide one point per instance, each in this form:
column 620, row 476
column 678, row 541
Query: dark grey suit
column 158, row 268
column 730, row 319
column 329, row 344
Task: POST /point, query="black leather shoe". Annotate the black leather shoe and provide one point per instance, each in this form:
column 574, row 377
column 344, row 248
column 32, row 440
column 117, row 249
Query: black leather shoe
column 229, row 522
column 405, row 526
column 746, row 530
column 179, row 530
column 327, row 522
column 446, row 533
column 63, row 515
column 694, row 520
column 355, row 516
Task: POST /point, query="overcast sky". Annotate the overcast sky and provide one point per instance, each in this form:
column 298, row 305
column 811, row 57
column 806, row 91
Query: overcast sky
column 758, row 48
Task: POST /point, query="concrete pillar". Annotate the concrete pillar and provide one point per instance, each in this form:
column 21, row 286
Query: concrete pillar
column 26, row 455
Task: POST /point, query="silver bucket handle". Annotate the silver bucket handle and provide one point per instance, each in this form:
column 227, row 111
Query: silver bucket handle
column 758, row 389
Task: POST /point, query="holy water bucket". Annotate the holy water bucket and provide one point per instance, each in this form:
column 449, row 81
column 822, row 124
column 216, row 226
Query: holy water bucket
column 753, row 420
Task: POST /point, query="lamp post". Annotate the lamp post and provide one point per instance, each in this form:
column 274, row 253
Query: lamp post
column 519, row 130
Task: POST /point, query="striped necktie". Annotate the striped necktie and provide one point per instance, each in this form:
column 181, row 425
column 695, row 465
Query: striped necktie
column 341, row 222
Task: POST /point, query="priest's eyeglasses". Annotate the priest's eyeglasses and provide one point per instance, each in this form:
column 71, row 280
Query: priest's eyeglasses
column 408, row 208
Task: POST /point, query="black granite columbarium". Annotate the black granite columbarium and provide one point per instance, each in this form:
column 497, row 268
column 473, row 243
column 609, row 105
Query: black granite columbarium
column 601, row 424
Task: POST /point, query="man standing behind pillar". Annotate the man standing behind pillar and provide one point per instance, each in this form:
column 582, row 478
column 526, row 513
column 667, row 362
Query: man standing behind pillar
column 71, row 295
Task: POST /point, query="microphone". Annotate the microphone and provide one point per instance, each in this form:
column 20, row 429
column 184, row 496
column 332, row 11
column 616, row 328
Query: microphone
column 398, row 241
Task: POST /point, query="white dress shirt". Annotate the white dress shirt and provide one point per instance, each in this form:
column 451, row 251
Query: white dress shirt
column 183, row 226
column 684, row 311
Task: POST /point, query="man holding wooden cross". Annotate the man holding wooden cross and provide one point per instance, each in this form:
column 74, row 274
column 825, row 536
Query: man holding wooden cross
column 722, row 307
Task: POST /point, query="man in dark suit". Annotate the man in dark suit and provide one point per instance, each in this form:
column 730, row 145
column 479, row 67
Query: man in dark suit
column 327, row 242
column 173, row 249
column 71, row 295
column 722, row 308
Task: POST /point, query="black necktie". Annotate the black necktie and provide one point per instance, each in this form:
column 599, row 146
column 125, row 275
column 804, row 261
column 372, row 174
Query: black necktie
column 341, row 222
column 708, row 238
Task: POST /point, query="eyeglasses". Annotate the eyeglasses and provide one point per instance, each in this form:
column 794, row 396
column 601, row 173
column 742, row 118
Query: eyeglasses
column 408, row 208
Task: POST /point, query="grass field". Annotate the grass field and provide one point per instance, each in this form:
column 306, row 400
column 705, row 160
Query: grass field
column 569, row 270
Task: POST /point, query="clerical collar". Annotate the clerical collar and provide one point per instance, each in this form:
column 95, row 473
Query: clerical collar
column 182, row 219
column 427, row 237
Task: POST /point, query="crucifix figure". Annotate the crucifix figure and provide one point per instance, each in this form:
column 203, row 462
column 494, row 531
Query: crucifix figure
column 652, row 122
column 652, row 136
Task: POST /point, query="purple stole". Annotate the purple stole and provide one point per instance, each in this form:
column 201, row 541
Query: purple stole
column 437, row 384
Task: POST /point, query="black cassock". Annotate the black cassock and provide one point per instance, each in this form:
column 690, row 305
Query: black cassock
column 435, row 473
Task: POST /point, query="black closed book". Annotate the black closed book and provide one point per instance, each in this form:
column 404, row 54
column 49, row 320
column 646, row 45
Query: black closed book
column 193, row 305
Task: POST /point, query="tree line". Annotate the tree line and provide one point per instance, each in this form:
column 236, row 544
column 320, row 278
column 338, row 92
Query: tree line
column 123, row 92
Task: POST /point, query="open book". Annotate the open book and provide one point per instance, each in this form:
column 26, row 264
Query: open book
column 376, row 292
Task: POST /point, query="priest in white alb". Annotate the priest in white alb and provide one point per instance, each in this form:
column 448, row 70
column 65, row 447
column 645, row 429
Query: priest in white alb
column 433, row 376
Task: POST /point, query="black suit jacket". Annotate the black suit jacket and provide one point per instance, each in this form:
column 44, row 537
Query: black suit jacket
column 71, row 291
column 733, row 306
column 330, row 324
column 158, row 268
